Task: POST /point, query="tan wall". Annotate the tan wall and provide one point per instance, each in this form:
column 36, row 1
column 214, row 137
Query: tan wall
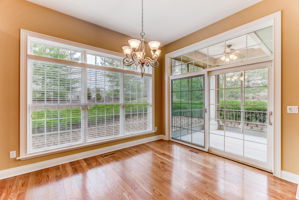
column 290, row 64
column 17, row 14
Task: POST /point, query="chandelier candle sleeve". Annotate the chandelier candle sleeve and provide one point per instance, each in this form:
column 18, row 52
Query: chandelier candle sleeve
column 134, row 43
column 127, row 50
column 154, row 45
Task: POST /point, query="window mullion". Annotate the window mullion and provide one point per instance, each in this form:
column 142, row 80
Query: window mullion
column 84, row 108
column 122, row 105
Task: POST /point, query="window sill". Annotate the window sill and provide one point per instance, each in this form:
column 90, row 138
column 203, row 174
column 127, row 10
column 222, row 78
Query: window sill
column 65, row 149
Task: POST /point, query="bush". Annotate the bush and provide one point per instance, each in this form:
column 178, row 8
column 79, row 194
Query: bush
column 227, row 109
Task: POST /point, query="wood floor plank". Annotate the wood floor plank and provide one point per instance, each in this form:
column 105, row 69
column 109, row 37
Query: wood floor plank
column 157, row 170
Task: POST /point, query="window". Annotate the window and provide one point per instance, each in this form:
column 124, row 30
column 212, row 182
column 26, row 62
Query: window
column 252, row 47
column 77, row 96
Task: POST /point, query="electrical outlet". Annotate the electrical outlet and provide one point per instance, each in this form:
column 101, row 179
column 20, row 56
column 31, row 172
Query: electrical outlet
column 13, row 154
column 292, row 109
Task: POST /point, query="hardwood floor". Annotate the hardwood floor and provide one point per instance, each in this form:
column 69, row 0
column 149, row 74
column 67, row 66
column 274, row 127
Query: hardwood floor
column 157, row 170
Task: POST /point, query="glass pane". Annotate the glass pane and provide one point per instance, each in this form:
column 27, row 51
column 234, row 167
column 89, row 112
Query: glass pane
column 188, row 110
column 55, row 84
column 232, row 96
column 91, row 59
column 197, row 83
column 185, row 84
column 103, row 121
column 233, row 80
column 256, row 96
column 216, row 49
column 50, row 128
column 255, row 151
column 176, row 67
column 237, row 43
column 234, row 146
column 176, row 85
column 256, row 114
column 256, row 78
column 103, row 86
column 258, row 51
column 255, row 136
column 49, row 49
column 137, row 91
column 217, row 141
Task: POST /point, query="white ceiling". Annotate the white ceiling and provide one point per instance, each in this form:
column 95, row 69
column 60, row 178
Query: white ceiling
column 165, row 20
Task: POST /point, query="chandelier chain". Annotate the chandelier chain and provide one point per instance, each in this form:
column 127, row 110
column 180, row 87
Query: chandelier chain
column 142, row 34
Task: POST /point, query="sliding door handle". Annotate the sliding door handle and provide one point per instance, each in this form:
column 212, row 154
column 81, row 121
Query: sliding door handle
column 270, row 113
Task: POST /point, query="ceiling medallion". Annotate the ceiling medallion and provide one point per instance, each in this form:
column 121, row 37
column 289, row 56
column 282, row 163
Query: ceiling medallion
column 135, row 53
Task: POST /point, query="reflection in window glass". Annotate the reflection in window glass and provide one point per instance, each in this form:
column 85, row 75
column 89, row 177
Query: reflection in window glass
column 51, row 51
column 249, row 47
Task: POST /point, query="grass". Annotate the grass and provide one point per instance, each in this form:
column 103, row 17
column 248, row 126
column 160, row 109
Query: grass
column 66, row 118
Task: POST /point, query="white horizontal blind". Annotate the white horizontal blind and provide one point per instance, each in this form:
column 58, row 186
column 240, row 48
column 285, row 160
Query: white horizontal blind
column 55, row 105
column 103, row 95
column 137, row 92
column 70, row 105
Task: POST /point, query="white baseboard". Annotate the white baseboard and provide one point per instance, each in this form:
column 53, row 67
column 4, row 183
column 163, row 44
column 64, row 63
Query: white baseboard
column 165, row 137
column 7, row 173
column 294, row 178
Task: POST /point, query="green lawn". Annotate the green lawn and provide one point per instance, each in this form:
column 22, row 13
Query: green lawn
column 66, row 118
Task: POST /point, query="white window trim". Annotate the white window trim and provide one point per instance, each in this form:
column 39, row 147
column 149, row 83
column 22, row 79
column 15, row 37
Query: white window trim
column 24, row 57
column 270, row 20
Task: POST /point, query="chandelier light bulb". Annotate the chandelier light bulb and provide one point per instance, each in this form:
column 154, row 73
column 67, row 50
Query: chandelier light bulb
column 134, row 43
column 140, row 55
column 127, row 50
column 154, row 45
column 233, row 57
column 156, row 53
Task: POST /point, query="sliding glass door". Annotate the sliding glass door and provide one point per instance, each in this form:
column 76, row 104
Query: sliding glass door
column 188, row 110
column 240, row 112
column 239, row 106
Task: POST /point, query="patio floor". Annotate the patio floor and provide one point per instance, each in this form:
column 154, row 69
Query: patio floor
column 252, row 146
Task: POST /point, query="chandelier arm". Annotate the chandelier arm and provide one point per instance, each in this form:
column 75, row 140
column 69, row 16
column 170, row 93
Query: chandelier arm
column 127, row 61
column 152, row 62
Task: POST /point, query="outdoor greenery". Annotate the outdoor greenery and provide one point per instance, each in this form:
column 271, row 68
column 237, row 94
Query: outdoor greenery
column 255, row 111
column 71, row 118
column 55, row 84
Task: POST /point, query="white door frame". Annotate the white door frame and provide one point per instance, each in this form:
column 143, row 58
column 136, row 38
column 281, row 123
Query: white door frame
column 267, row 166
column 206, row 116
column 271, row 20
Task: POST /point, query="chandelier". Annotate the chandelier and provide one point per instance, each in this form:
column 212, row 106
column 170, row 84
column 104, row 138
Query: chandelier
column 229, row 54
column 135, row 53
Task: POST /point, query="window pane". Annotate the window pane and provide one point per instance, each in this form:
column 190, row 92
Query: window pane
column 54, row 83
column 103, row 86
column 137, row 91
column 53, row 129
column 103, row 121
column 53, row 50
